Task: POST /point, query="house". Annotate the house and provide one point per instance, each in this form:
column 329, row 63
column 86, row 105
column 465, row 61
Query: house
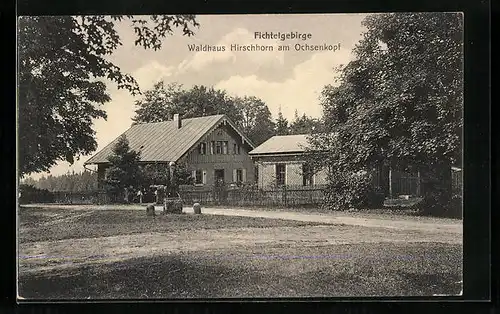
column 281, row 161
column 211, row 147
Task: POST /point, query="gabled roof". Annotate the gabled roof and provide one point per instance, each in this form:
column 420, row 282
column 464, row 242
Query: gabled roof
column 163, row 141
column 282, row 144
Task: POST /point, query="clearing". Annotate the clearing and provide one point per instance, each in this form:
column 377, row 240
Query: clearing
column 79, row 252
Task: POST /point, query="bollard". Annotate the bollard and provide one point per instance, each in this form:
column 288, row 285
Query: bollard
column 197, row 208
column 150, row 210
column 172, row 206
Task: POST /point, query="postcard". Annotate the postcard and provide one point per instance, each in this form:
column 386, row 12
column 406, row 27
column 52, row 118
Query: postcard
column 240, row 156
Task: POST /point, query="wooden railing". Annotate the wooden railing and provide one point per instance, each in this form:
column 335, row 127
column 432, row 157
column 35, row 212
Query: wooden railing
column 288, row 196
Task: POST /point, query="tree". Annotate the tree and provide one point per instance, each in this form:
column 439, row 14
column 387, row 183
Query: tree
column 158, row 104
column 281, row 124
column 29, row 181
column 159, row 174
column 256, row 121
column 71, row 182
column 123, row 171
column 163, row 101
column 400, row 101
column 304, row 124
column 61, row 64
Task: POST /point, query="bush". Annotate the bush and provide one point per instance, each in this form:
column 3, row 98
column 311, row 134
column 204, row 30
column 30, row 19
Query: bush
column 352, row 190
column 31, row 194
column 437, row 204
column 456, row 207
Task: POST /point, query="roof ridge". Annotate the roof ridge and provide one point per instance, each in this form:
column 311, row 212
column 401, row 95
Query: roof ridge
column 183, row 119
column 305, row 134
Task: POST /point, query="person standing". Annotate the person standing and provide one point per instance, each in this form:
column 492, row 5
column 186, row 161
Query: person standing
column 139, row 195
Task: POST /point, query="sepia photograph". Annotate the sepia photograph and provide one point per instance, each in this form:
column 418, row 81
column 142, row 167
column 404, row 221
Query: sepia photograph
column 181, row 157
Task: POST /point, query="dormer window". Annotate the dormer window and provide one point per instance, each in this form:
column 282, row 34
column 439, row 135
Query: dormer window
column 212, row 147
column 236, row 149
column 218, row 147
column 225, row 145
column 202, row 148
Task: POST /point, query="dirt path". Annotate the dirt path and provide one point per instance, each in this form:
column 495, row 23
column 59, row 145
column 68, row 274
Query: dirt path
column 65, row 219
column 393, row 222
column 49, row 255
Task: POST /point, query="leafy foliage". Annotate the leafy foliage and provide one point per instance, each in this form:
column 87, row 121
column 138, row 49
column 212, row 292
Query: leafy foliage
column 163, row 101
column 304, row 125
column 159, row 174
column 281, row 125
column 123, row 171
column 256, row 121
column 352, row 190
column 31, row 194
column 62, row 62
column 399, row 101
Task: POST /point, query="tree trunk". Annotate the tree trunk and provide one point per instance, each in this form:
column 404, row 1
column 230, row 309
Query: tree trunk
column 390, row 182
column 125, row 198
column 436, row 188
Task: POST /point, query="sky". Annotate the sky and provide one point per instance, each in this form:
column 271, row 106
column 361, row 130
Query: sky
column 291, row 80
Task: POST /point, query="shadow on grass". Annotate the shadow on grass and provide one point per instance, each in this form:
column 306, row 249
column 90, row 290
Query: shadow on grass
column 349, row 271
column 157, row 277
column 95, row 224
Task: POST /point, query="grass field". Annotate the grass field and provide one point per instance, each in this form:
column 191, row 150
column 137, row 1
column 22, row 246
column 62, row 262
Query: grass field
column 113, row 254
column 53, row 224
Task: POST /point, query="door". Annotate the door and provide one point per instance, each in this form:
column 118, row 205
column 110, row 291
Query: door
column 219, row 187
column 219, row 176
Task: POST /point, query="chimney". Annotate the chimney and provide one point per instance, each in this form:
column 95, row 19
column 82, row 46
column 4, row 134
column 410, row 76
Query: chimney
column 177, row 120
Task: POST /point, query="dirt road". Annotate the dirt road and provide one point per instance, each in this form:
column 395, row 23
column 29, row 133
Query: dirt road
column 48, row 255
column 447, row 225
column 390, row 222
column 336, row 229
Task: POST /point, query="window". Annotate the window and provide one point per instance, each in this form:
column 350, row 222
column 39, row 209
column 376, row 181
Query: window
column 202, row 149
column 198, row 179
column 239, row 175
column 218, row 148
column 280, row 174
column 225, row 148
column 256, row 173
column 236, row 149
column 307, row 175
column 212, row 147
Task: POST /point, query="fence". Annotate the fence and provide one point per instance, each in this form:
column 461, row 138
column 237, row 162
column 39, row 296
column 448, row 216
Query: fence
column 457, row 181
column 96, row 197
column 409, row 184
column 406, row 185
column 288, row 196
column 30, row 194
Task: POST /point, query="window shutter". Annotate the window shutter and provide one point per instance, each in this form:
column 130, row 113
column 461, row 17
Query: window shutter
column 286, row 175
column 204, row 177
column 244, row 175
column 193, row 175
column 234, row 175
column 275, row 175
